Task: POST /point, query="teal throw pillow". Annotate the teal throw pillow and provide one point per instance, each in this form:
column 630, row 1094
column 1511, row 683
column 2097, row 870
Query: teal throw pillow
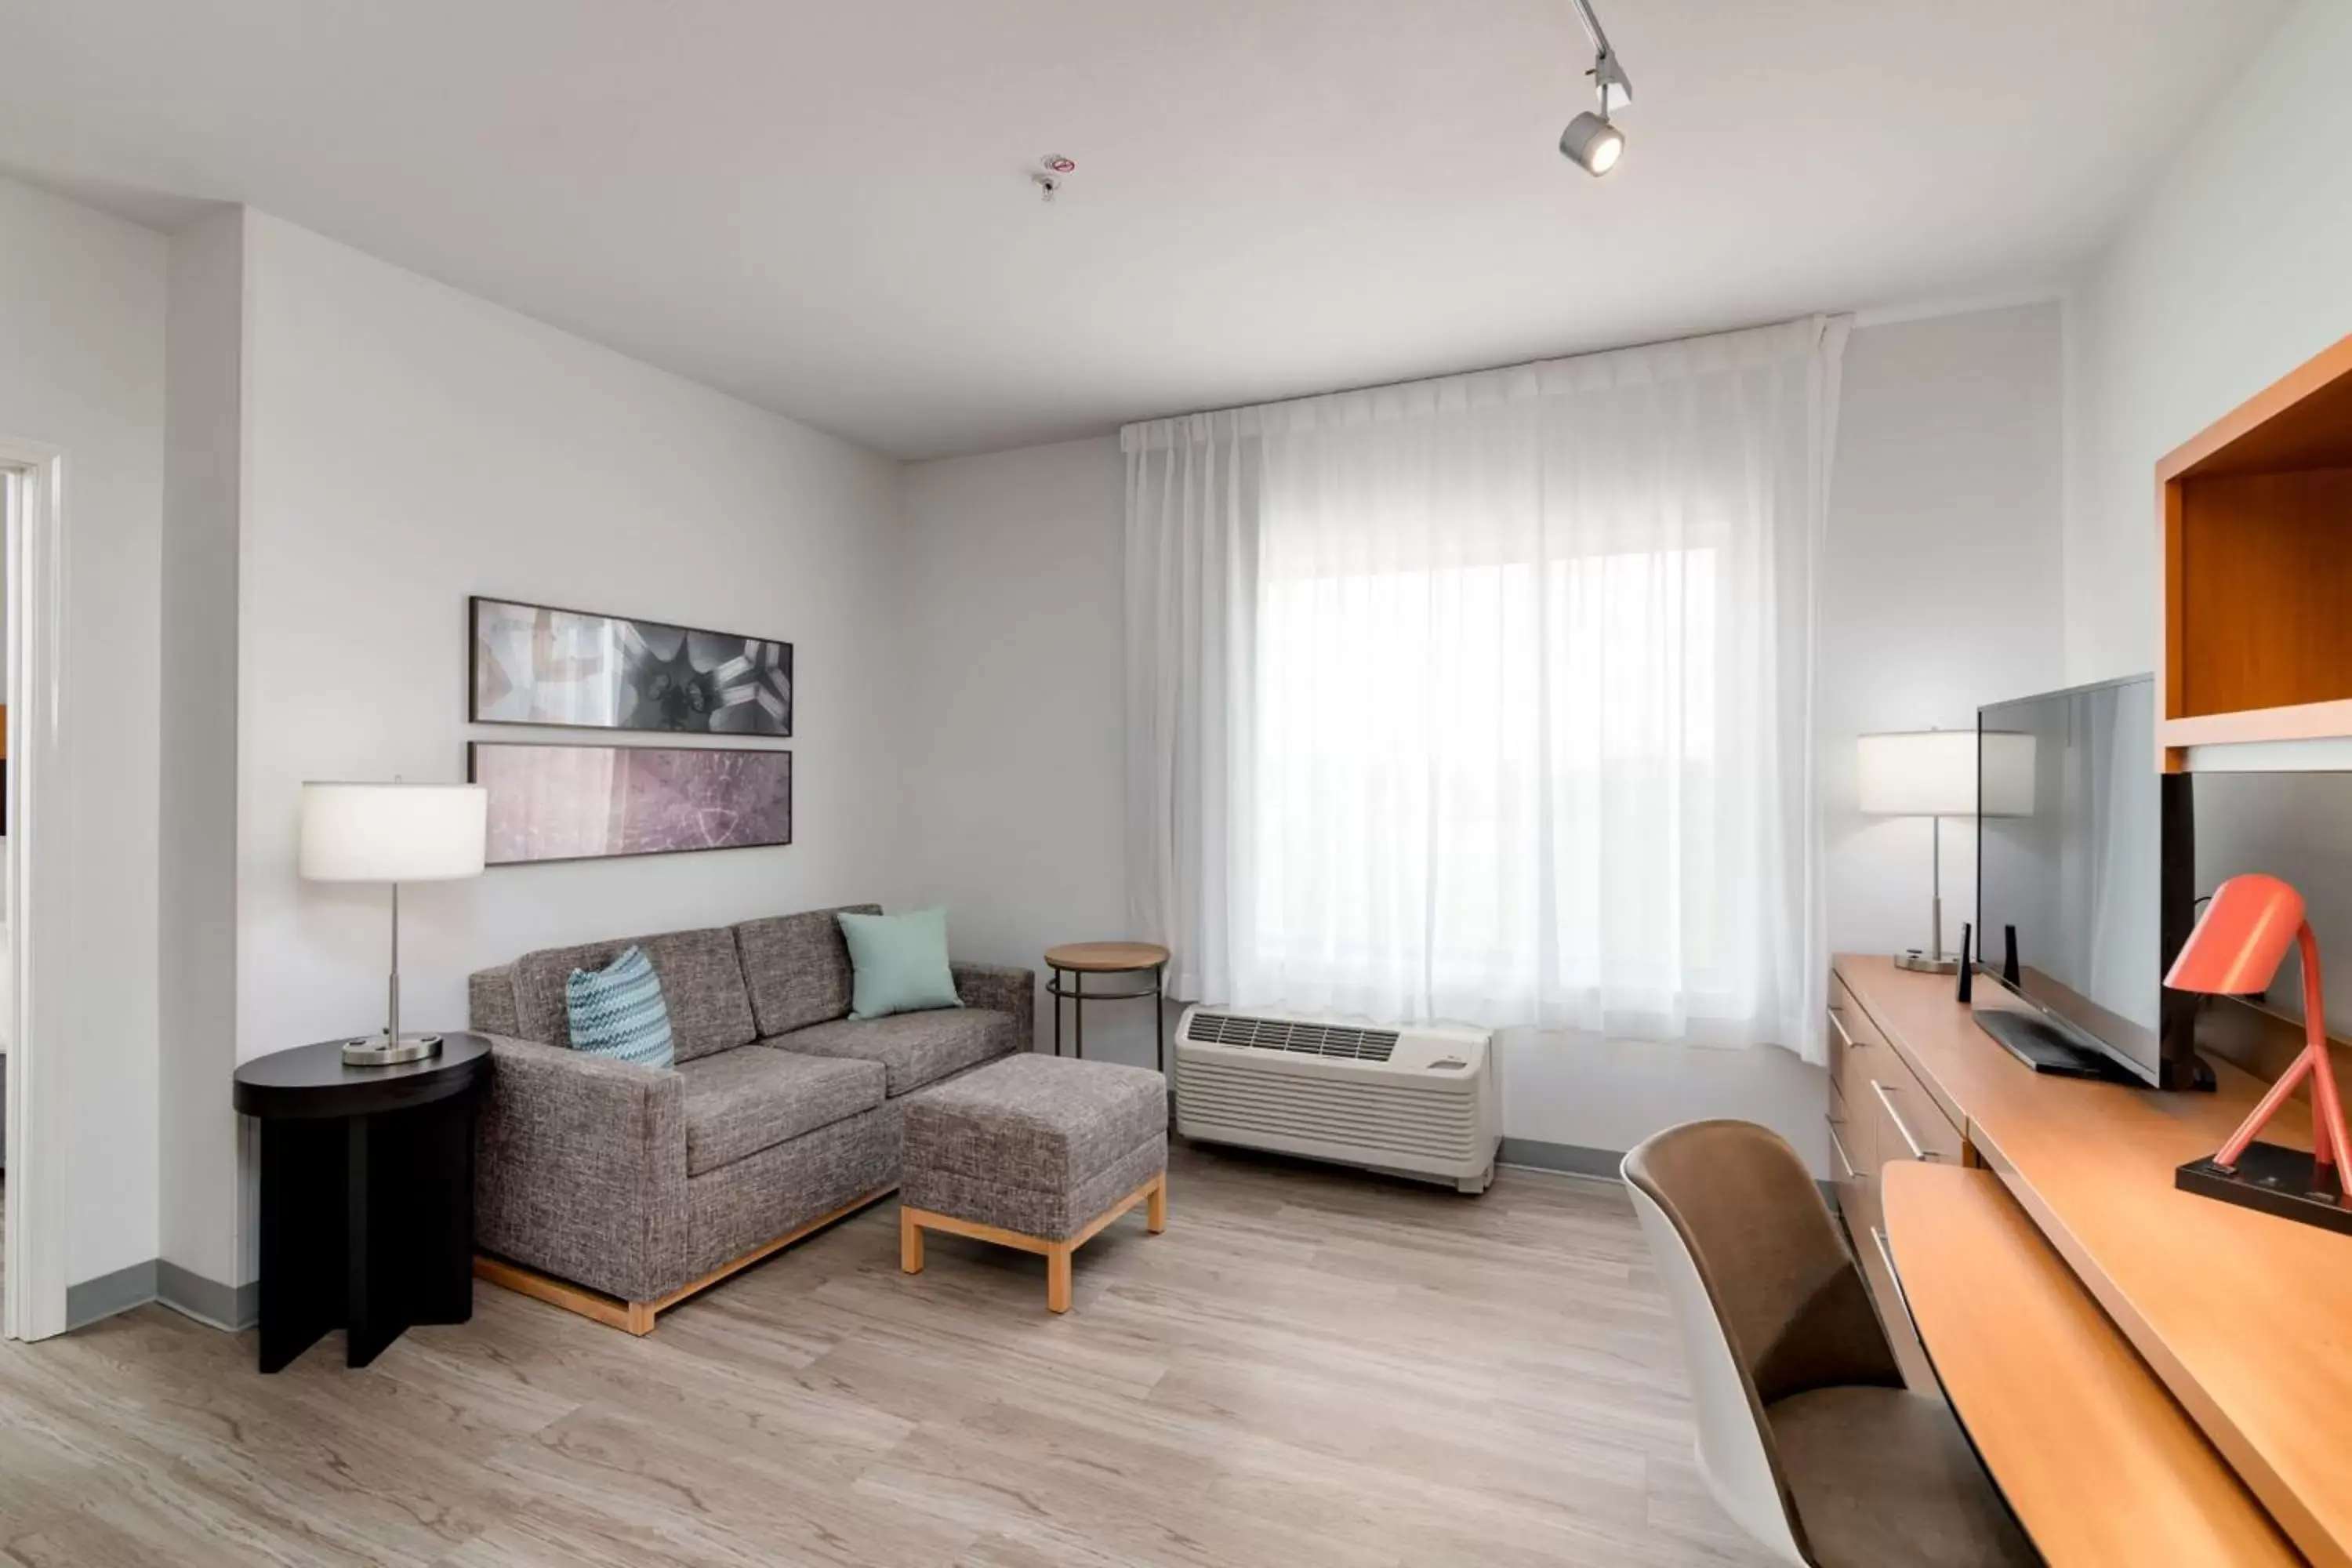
column 618, row 1010
column 901, row 962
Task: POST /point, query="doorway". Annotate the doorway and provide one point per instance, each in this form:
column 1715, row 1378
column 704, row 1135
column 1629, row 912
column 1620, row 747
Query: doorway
column 32, row 1195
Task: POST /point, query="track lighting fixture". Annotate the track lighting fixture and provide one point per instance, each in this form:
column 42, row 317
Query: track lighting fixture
column 1590, row 142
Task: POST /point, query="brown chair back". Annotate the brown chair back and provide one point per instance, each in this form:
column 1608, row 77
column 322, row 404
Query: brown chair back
column 1776, row 1267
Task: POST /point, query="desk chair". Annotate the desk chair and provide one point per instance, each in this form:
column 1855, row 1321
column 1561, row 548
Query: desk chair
column 1806, row 1434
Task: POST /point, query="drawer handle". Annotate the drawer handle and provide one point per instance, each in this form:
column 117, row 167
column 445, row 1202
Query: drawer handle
column 1845, row 1040
column 1894, row 1276
column 1901, row 1126
column 1838, row 1144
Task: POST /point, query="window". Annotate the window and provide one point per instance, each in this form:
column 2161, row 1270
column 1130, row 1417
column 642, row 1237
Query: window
column 1479, row 725
column 1488, row 698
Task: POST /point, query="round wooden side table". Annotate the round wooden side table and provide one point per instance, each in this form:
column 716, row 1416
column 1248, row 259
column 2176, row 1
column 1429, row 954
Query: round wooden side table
column 367, row 1194
column 1073, row 961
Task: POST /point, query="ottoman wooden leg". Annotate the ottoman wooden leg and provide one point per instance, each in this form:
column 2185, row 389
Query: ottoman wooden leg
column 911, row 1243
column 1057, row 1278
column 1155, row 1213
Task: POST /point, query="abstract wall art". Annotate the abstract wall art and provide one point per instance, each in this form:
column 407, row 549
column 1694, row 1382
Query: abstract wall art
column 584, row 802
column 536, row 665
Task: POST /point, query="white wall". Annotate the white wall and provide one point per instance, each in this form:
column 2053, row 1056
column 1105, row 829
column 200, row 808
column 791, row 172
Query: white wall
column 1016, row 770
column 196, row 962
column 1941, row 590
column 81, row 368
column 1941, row 584
column 409, row 445
column 2233, row 269
column 2231, row 272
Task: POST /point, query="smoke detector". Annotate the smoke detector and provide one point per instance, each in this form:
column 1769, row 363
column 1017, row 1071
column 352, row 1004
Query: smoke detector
column 1052, row 169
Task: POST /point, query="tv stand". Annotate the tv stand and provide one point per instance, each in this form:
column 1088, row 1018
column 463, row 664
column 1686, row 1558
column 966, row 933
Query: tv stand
column 2045, row 1047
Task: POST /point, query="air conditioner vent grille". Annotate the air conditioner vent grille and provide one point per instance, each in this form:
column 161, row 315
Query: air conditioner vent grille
column 1287, row 1035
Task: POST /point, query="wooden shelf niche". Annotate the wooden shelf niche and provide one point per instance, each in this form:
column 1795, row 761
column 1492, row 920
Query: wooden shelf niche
column 2257, row 520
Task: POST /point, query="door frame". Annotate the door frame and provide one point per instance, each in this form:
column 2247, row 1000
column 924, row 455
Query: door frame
column 40, row 904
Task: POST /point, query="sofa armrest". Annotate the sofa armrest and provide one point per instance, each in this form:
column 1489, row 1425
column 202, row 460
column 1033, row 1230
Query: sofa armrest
column 581, row 1169
column 1001, row 988
column 491, row 1001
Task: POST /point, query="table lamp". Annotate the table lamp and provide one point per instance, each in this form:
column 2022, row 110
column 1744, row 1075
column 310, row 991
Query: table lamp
column 2236, row 950
column 1933, row 773
column 392, row 833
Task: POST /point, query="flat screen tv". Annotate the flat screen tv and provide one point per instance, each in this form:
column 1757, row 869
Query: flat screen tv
column 2084, row 863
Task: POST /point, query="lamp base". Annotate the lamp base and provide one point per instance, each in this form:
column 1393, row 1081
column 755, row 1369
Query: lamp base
column 2281, row 1181
column 376, row 1051
column 1913, row 959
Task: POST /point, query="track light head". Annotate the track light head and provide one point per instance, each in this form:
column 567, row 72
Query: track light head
column 1592, row 143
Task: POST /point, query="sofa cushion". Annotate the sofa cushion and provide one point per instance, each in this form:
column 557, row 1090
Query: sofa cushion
column 701, row 984
column 787, row 1187
column 797, row 968
column 739, row 1102
column 618, row 1010
column 918, row 1047
column 899, row 963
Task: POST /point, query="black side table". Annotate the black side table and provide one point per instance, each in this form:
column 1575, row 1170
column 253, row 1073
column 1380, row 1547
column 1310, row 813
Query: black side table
column 367, row 1194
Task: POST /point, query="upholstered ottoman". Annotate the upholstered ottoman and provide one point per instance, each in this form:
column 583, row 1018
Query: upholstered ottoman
column 1033, row 1151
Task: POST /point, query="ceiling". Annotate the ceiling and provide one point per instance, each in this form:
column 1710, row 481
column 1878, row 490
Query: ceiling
column 826, row 208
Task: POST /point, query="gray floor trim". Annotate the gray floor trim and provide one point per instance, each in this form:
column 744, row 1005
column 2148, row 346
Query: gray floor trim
column 1572, row 1158
column 230, row 1307
column 1577, row 1160
column 109, row 1293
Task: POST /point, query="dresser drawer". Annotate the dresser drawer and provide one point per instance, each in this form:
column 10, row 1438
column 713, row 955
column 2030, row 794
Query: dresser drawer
column 1849, row 1140
column 1906, row 1122
column 1850, row 1173
column 1856, row 1047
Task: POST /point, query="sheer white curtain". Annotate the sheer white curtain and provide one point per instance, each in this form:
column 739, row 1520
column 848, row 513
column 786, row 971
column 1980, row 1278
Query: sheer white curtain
column 1489, row 698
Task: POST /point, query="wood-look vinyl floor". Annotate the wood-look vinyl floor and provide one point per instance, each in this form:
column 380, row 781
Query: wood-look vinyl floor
column 1310, row 1368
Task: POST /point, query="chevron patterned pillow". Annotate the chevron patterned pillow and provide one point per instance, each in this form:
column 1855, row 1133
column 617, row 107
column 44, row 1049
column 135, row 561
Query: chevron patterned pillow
column 618, row 1010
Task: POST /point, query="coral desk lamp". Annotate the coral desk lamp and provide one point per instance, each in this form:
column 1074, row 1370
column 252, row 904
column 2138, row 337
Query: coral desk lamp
column 2236, row 948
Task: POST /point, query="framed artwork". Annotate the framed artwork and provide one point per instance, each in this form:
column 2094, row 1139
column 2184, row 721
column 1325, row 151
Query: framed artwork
column 533, row 664
column 590, row 803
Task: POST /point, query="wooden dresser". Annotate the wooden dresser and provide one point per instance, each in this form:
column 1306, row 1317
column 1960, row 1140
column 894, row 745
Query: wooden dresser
column 1881, row 1111
column 2228, row 1332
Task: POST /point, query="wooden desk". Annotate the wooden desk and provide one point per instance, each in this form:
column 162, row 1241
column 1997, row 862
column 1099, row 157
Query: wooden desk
column 2098, row 1462
column 2245, row 1318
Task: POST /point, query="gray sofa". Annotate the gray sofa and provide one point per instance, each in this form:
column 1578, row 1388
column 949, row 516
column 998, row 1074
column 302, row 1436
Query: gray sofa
column 643, row 1186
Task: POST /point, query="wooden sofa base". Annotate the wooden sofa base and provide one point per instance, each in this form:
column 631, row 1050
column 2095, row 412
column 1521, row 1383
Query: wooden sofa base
column 913, row 1221
column 637, row 1317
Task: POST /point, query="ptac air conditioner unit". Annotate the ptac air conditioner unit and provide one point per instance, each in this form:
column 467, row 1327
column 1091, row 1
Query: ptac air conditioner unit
column 1409, row 1101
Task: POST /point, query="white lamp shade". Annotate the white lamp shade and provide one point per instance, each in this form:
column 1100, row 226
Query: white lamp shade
column 393, row 832
column 1925, row 772
column 1933, row 773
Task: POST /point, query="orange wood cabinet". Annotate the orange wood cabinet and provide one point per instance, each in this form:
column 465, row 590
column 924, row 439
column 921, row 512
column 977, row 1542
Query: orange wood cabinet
column 2256, row 519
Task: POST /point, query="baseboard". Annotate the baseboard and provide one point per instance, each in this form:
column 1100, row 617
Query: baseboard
column 1575, row 1159
column 208, row 1302
column 107, row 1294
column 189, row 1293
